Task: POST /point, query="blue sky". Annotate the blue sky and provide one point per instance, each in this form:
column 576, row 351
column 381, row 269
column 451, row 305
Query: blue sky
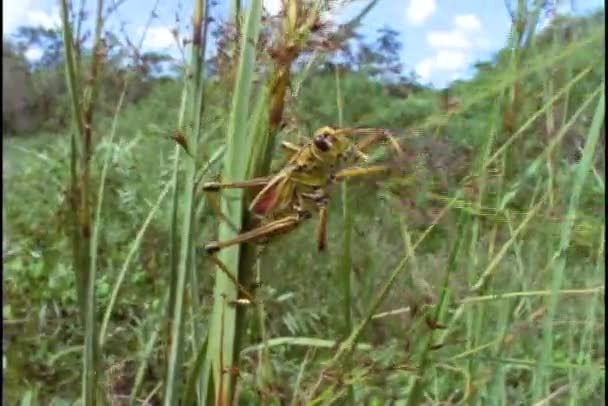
column 441, row 38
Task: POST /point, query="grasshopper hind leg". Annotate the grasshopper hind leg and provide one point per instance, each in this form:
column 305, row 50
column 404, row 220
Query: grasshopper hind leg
column 261, row 233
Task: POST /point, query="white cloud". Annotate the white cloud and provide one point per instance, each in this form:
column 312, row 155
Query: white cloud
column 448, row 39
column 335, row 10
column 33, row 54
column 450, row 60
column 443, row 60
column 13, row 13
column 27, row 12
column 418, row 11
column 43, row 19
column 273, row 6
column 469, row 22
column 425, row 68
column 453, row 48
column 158, row 38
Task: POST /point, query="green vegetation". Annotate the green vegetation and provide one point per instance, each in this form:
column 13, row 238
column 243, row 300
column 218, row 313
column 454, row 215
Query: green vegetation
column 474, row 274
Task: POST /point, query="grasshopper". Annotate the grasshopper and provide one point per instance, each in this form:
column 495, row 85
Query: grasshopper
column 302, row 186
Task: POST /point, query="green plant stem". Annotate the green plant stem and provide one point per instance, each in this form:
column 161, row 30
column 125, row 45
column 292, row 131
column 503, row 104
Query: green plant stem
column 221, row 351
column 196, row 94
column 582, row 170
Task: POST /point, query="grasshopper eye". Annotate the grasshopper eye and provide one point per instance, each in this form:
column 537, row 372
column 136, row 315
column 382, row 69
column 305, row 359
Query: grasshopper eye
column 322, row 143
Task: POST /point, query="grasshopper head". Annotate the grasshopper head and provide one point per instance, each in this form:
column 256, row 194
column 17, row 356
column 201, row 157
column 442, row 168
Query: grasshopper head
column 329, row 141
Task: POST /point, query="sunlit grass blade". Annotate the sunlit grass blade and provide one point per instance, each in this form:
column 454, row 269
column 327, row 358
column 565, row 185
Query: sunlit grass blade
column 346, row 258
column 222, row 326
column 85, row 228
column 557, row 274
column 183, row 254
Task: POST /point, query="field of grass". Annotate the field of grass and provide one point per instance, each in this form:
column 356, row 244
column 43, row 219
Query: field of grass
column 476, row 275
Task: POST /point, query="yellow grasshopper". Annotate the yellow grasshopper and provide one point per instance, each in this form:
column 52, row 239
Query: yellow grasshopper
column 301, row 188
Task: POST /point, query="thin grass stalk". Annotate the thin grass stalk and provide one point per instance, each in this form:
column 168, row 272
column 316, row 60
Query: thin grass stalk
column 193, row 380
column 195, row 104
column 199, row 49
column 93, row 341
column 79, row 18
column 538, row 293
column 264, row 371
column 297, row 385
column 174, row 227
column 348, row 345
column 346, row 259
column 583, row 168
column 147, row 352
column 90, row 93
column 126, row 264
column 347, row 218
column 236, row 15
column 312, row 342
column 505, row 316
column 416, row 391
column 174, row 249
column 481, row 283
column 76, row 136
column 531, row 364
column 90, row 230
column 143, row 228
column 532, row 168
column 259, row 147
column 221, row 352
column 511, row 100
column 550, row 120
column 586, row 345
column 472, row 322
column 81, row 199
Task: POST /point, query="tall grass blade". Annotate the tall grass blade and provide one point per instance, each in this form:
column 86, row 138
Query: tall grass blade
column 222, row 328
column 346, row 259
column 84, row 227
column 415, row 394
column 582, row 170
column 75, row 148
column 195, row 108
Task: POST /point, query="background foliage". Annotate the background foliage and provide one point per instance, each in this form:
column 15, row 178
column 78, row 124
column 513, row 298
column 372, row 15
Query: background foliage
column 444, row 134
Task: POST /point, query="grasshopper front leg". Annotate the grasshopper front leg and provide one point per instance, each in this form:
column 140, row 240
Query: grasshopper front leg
column 376, row 136
column 290, row 148
column 354, row 172
column 211, row 187
column 255, row 182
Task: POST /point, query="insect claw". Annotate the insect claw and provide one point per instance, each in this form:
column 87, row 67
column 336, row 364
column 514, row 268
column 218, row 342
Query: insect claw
column 211, row 186
column 362, row 156
column 303, row 214
column 212, row 248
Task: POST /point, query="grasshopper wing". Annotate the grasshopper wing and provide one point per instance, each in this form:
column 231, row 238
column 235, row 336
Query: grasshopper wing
column 273, row 194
